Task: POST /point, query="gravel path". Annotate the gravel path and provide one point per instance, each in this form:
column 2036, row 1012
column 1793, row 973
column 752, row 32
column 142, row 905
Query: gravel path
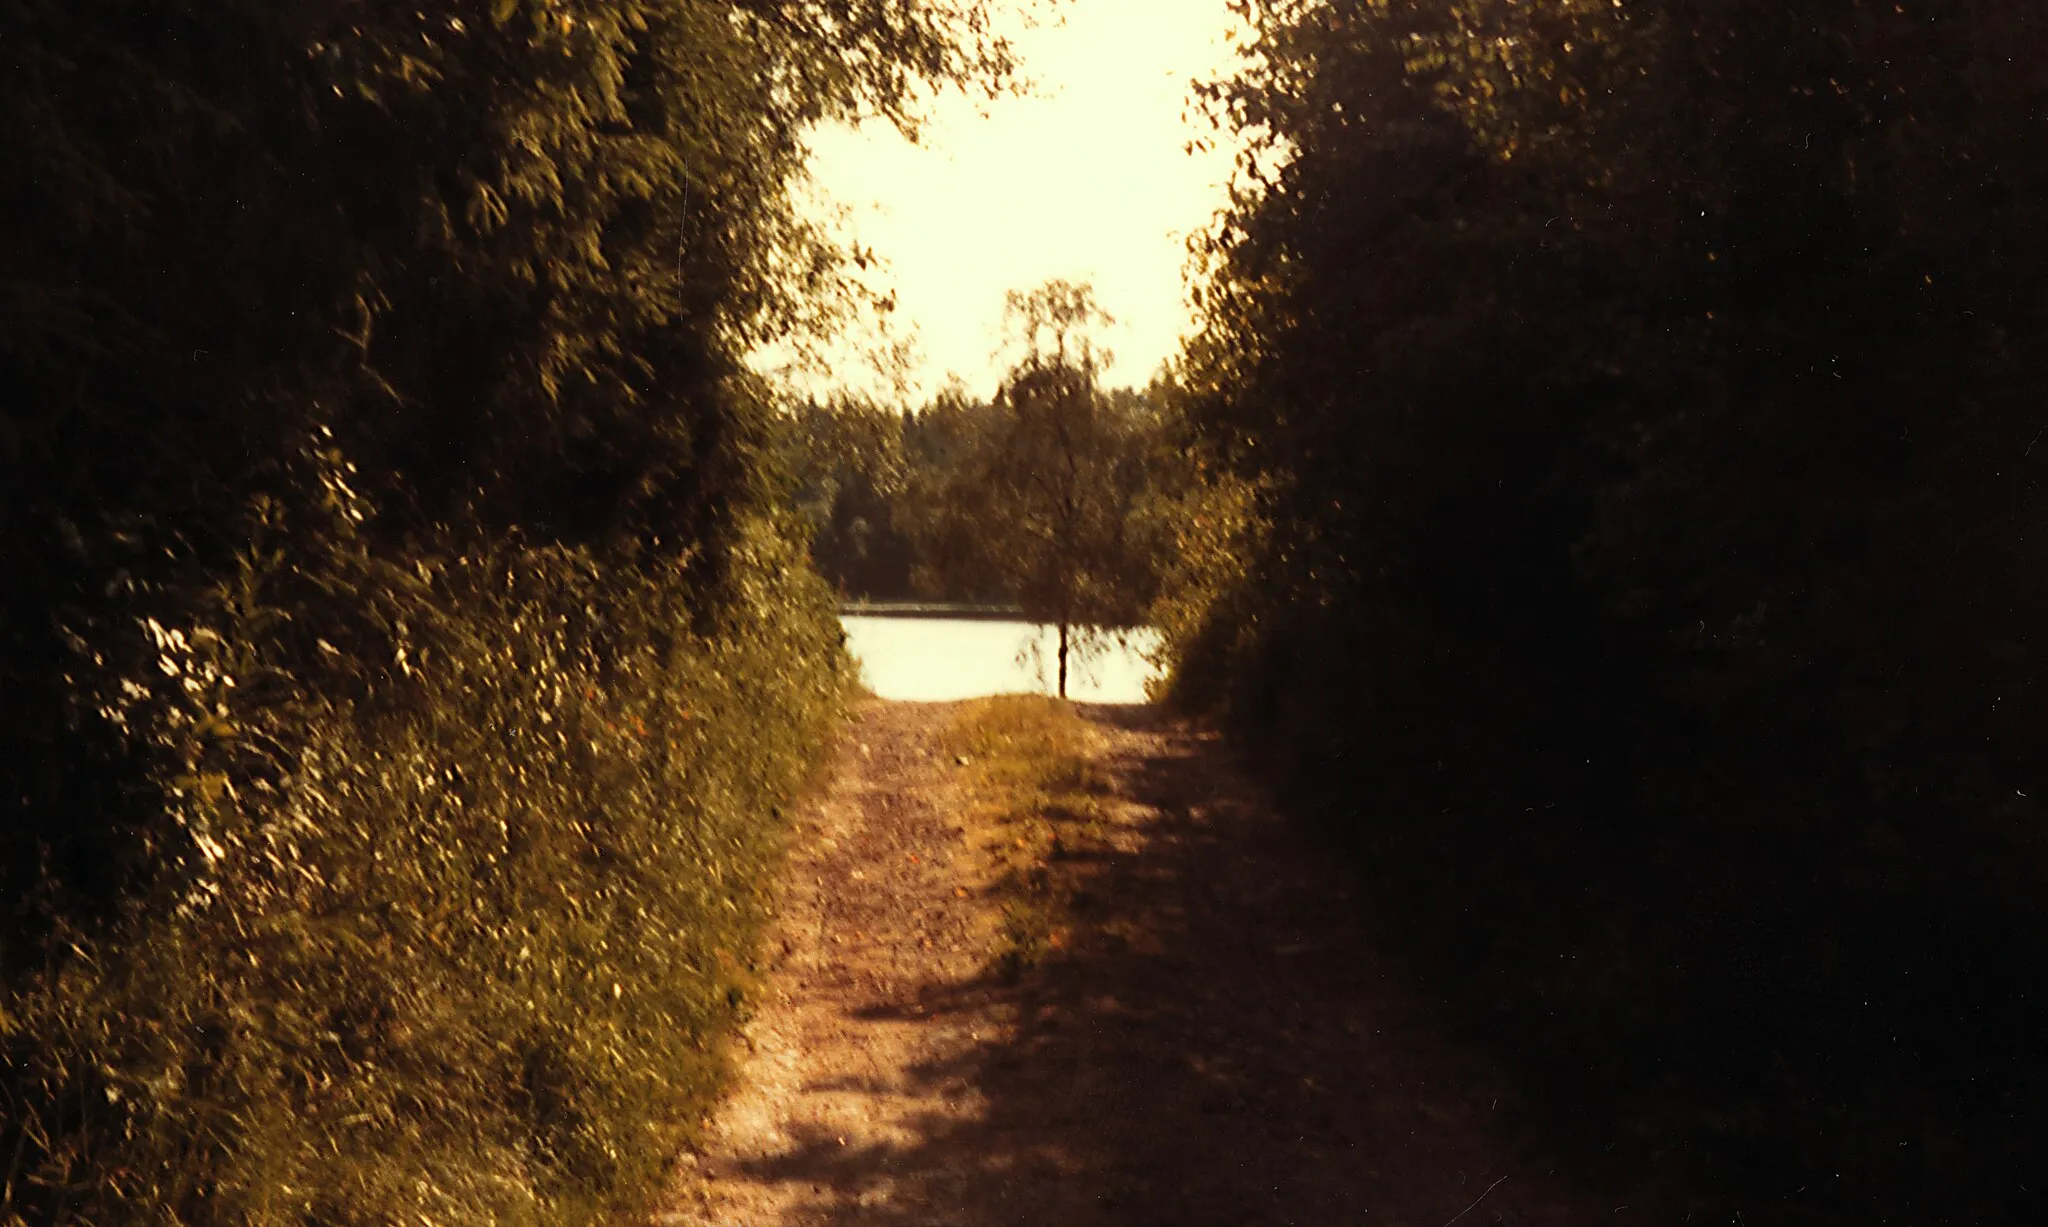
column 1215, row 1044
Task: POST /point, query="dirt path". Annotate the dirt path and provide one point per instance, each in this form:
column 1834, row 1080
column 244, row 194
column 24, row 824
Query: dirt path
column 1214, row 1042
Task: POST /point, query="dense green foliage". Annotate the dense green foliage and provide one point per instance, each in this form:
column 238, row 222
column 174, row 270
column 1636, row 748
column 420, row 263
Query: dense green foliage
column 403, row 657
column 849, row 463
column 1621, row 418
column 462, row 929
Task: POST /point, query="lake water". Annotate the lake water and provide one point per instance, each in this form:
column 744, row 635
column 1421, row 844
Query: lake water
column 931, row 659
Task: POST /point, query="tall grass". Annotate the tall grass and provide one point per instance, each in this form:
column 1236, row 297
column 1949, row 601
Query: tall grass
column 452, row 899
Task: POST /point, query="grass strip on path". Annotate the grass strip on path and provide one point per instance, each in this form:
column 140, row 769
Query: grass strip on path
column 1035, row 796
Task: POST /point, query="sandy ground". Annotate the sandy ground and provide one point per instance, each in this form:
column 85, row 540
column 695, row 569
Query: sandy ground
column 1216, row 1043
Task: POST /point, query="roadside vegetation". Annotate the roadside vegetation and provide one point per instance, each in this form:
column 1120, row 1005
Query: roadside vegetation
column 407, row 655
column 1616, row 510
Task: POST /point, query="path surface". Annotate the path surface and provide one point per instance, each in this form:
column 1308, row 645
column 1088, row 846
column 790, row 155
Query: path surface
column 1215, row 1044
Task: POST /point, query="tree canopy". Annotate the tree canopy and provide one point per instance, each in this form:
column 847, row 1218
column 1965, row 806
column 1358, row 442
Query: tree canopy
column 1636, row 400
column 460, row 268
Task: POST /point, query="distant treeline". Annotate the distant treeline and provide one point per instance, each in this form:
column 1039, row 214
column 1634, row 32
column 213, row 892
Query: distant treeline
column 1621, row 516
column 406, row 652
column 850, row 462
column 872, row 481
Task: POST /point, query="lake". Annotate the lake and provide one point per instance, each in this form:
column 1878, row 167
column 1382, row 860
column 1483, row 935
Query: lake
column 928, row 659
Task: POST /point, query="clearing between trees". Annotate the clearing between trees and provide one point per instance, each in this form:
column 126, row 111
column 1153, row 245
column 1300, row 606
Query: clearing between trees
column 1050, row 964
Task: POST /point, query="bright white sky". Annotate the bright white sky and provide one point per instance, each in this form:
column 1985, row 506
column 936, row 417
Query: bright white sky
column 1088, row 178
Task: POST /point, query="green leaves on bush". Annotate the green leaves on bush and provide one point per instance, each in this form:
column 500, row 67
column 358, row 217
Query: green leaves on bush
column 468, row 953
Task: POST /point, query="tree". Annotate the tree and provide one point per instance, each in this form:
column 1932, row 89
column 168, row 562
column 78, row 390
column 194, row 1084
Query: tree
column 492, row 266
column 1038, row 502
column 1637, row 396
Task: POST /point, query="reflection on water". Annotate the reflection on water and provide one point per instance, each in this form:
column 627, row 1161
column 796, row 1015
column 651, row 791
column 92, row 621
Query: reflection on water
column 929, row 659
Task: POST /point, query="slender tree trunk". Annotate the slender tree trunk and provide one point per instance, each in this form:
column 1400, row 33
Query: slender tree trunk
column 1063, row 657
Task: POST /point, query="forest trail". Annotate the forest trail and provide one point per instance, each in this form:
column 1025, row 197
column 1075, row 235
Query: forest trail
column 1208, row 1039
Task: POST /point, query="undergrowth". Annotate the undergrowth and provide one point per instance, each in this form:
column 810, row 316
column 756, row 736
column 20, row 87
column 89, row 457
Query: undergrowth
column 458, row 872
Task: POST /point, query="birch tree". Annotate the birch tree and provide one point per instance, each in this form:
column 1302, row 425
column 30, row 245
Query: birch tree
column 1039, row 504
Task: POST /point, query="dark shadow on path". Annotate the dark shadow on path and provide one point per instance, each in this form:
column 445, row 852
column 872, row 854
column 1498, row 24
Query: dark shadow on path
column 1218, row 1045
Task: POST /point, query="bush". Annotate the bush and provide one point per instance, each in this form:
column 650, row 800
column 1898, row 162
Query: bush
column 454, row 888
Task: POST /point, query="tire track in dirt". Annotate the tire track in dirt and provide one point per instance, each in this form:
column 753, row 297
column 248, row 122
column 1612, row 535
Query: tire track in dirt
column 1215, row 1044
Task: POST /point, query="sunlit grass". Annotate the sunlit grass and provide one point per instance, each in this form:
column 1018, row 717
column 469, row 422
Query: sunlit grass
column 1035, row 795
column 477, row 959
